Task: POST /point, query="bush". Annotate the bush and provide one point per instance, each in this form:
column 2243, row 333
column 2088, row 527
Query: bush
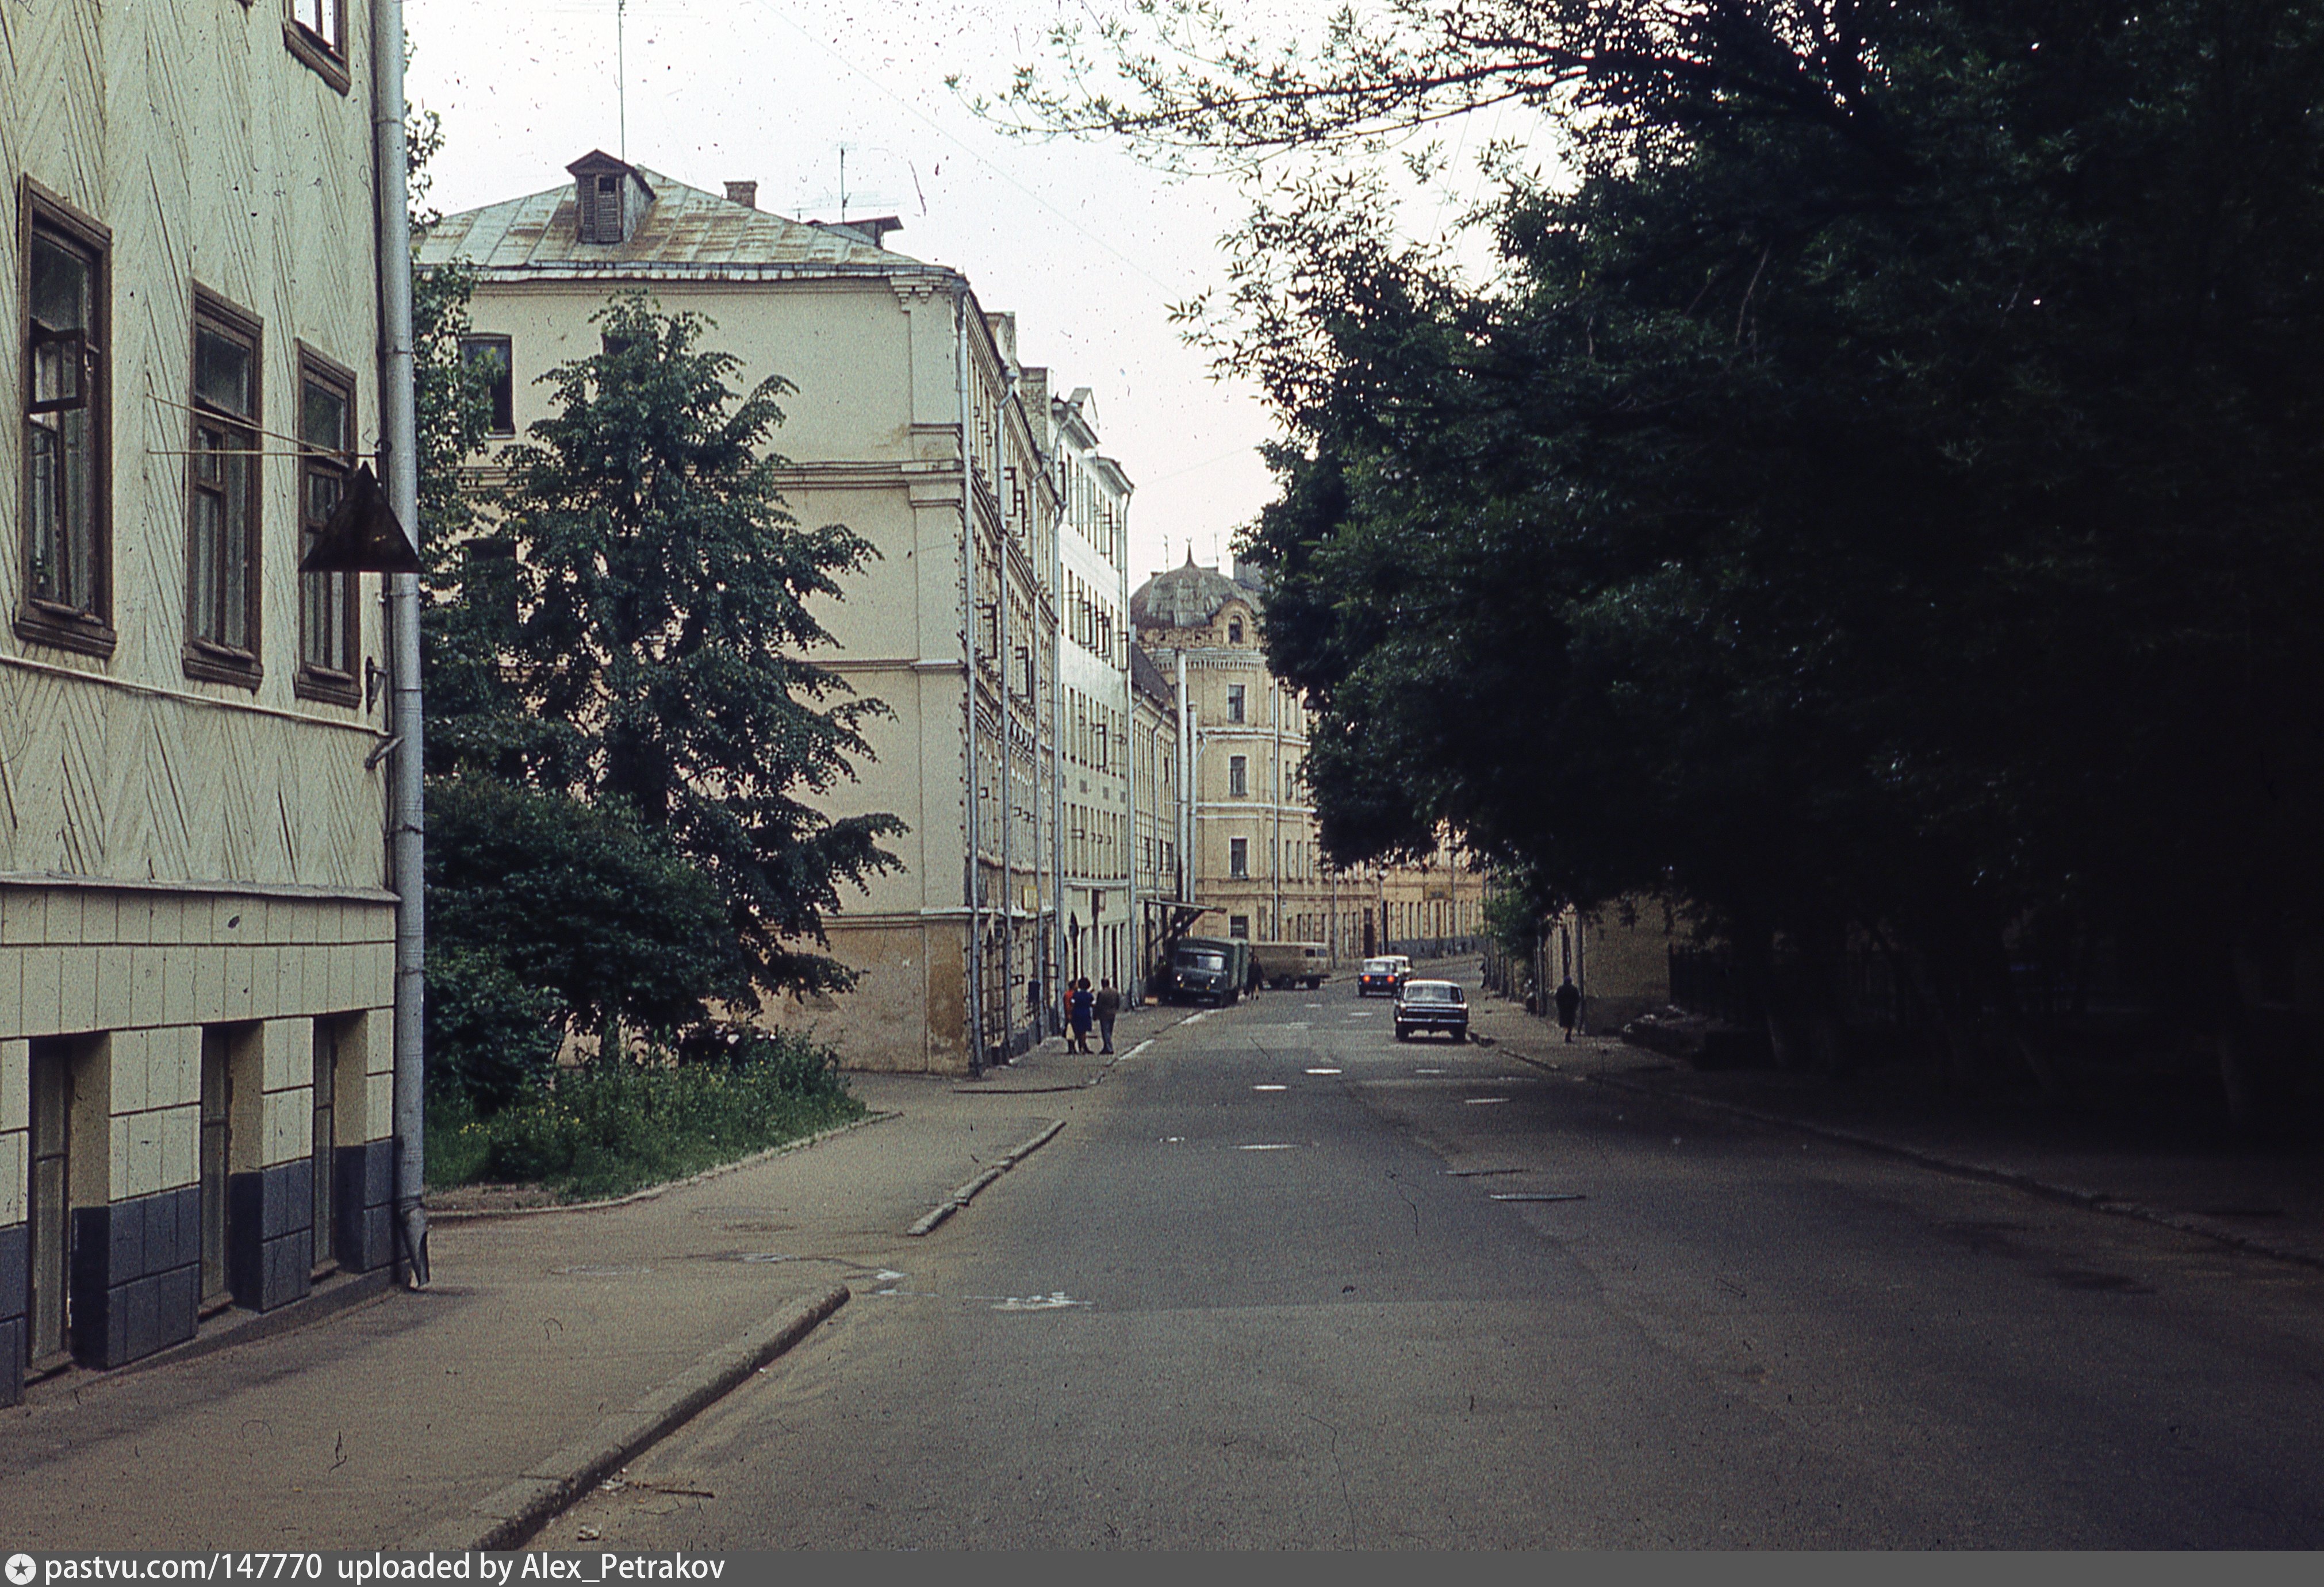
column 491, row 1037
column 613, row 1126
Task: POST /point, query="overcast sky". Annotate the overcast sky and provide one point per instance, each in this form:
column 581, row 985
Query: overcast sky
column 1088, row 248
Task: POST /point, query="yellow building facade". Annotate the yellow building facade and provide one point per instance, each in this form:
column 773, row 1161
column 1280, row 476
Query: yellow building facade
column 196, row 930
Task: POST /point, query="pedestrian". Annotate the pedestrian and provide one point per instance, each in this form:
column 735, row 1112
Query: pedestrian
column 1569, row 1003
column 1108, row 1005
column 1084, row 1005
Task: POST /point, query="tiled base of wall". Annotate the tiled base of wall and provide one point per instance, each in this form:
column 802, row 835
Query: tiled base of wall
column 362, row 1202
column 271, row 1213
column 136, row 1276
column 15, row 1245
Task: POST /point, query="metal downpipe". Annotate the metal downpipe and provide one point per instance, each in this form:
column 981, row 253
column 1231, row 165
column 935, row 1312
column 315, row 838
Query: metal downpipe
column 406, row 796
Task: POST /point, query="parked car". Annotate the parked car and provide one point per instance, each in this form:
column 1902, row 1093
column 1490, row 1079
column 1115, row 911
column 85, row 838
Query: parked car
column 1431, row 1006
column 1383, row 976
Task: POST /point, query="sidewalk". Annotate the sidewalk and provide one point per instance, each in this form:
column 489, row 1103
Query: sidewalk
column 543, row 1335
column 2268, row 1201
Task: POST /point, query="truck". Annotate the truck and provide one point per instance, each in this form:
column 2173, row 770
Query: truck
column 1212, row 969
column 1292, row 964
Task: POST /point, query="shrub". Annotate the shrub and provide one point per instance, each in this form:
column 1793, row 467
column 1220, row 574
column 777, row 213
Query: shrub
column 612, row 1126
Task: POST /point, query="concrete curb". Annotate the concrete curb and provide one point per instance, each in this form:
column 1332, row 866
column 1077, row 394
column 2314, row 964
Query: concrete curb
column 506, row 1518
column 967, row 1193
column 2031, row 1184
column 492, row 1215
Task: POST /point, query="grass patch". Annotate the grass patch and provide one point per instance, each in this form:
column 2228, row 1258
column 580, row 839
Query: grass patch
column 609, row 1128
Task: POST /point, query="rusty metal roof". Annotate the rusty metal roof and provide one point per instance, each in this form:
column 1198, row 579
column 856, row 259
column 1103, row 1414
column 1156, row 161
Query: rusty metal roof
column 682, row 231
column 1189, row 597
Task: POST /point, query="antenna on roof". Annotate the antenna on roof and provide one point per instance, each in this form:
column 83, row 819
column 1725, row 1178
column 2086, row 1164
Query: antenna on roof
column 843, row 184
column 622, row 78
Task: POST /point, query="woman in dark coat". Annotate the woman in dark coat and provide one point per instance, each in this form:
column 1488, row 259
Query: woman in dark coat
column 1085, row 1008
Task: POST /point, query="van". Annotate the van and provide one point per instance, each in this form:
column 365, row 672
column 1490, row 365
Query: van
column 1292, row 964
column 1211, row 968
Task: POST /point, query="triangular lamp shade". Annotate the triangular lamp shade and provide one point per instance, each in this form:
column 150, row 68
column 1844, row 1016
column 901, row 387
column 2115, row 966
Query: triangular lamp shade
column 360, row 536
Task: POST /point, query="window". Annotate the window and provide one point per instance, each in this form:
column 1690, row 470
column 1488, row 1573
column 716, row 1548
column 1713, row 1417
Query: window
column 216, row 1156
column 1238, row 925
column 222, row 539
column 601, row 206
column 49, row 1209
column 1239, row 858
column 489, row 357
column 315, row 31
column 1237, row 703
column 326, row 602
column 1237, row 777
column 322, row 1141
column 67, row 557
column 1234, row 630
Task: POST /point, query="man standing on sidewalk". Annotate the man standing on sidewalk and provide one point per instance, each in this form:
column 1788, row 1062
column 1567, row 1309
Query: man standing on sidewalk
column 1108, row 1003
column 1569, row 1003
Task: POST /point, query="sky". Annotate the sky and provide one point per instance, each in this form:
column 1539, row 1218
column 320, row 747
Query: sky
column 1086, row 246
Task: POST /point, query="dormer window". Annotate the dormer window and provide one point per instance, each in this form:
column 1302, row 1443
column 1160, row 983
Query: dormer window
column 1234, row 630
column 609, row 199
column 601, row 210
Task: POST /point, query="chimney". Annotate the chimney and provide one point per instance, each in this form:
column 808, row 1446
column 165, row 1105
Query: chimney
column 745, row 194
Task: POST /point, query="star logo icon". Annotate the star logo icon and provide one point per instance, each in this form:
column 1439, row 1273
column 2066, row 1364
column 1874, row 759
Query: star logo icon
column 21, row 1569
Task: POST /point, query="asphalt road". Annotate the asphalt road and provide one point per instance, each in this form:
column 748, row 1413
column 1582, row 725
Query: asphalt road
column 1261, row 1294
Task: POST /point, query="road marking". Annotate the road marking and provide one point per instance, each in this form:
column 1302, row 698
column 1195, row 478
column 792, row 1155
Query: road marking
column 1540, row 1195
column 1361, row 1013
column 1270, row 1087
column 1054, row 1300
column 1428, row 1071
column 1322, row 1071
column 1270, row 1146
column 1484, row 1101
column 600, row 1272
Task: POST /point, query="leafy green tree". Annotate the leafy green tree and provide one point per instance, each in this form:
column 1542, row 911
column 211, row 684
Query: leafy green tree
column 1877, row 496
column 578, row 901
column 658, row 628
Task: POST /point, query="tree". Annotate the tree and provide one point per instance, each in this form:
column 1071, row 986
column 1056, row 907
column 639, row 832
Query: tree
column 578, row 902
column 654, row 636
column 1876, row 499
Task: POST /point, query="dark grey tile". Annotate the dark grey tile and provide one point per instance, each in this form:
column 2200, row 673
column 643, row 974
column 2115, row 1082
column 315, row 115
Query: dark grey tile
column 14, row 1244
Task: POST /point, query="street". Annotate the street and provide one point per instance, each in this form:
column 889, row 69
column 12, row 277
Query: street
column 1261, row 1294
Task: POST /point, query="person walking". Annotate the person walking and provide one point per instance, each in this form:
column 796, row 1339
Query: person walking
column 1108, row 1007
column 1084, row 1005
column 1569, row 1004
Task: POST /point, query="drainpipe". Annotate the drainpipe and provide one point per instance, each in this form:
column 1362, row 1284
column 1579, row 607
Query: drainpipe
column 1057, row 753
column 972, row 881
column 1186, row 834
column 1008, row 744
column 406, row 798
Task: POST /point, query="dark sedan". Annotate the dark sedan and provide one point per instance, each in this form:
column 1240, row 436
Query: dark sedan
column 1432, row 1005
